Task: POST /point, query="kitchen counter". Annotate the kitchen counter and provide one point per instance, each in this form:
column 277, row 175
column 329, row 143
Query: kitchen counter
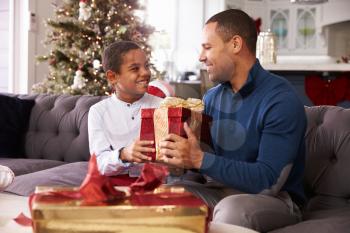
column 307, row 67
column 307, row 63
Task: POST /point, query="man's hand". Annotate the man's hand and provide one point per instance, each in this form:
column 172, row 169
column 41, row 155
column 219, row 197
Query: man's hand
column 182, row 152
column 135, row 151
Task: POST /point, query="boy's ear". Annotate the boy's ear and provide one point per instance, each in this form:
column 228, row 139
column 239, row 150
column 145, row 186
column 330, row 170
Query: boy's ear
column 111, row 77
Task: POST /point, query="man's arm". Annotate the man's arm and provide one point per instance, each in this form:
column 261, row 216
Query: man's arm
column 281, row 137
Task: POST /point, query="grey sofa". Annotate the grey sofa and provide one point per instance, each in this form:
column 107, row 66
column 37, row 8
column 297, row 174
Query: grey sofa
column 56, row 151
column 56, row 143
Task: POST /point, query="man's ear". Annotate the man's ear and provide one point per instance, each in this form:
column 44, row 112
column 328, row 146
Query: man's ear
column 111, row 77
column 236, row 43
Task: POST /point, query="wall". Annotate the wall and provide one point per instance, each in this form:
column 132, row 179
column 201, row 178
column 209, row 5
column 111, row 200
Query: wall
column 26, row 31
column 339, row 39
column 43, row 11
column 4, row 44
column 189, row 30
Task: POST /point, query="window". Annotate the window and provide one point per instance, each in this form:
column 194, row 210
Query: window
column 161, row 15
column 4, row 45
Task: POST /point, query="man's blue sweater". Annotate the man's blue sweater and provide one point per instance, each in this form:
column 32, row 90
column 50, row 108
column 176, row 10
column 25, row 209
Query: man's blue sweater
column 258, row 136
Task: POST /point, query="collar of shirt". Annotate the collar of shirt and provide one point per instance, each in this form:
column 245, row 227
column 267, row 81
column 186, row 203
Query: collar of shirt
column 135, row 104
column 253, row 80
column 132, row 109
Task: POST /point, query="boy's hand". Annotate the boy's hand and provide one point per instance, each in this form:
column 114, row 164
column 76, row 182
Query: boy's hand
column 135, row 151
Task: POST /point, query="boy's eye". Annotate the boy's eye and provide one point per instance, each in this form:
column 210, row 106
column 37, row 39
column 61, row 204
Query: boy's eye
column 135, row 68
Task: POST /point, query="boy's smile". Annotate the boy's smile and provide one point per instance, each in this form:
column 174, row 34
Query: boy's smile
column 131, row 82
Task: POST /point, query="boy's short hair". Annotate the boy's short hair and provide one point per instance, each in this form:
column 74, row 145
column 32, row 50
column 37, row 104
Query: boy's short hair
column 235, row 22
column 112, row 57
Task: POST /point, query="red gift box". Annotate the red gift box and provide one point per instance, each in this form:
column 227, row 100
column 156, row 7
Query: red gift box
column 171, row 120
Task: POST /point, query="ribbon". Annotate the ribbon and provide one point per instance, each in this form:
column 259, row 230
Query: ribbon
column 170, row 117
column 98, row 189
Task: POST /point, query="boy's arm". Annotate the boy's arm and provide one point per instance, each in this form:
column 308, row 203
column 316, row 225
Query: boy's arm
column 108, row 160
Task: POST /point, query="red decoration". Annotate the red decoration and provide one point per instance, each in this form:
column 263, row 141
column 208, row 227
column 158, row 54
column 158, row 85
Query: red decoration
column 23, row 220
column 326, row 92
column 156, row 91
column 152, row 176
column 97, row 187
column 258, row 25
column 160, row 88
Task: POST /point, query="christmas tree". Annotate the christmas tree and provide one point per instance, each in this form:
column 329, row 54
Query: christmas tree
column 78, row 35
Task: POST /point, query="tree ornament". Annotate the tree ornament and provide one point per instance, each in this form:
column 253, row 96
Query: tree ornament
column 96, row 64
column 52, row 62
column 84, row 10
column 108, row 28
column 123, row 29
column 97, row 29
column 111, row 11
column 79, row 81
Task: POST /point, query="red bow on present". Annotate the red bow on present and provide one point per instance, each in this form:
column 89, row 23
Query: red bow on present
column 326, row 92
column 97, row 187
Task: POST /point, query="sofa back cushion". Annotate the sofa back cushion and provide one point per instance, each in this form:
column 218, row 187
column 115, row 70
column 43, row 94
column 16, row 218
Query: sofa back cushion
column 58, row 127
column 327, row 168
column 14, row 118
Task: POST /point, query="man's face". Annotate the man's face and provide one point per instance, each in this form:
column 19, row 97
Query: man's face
column 134, row 76
column 216, row 55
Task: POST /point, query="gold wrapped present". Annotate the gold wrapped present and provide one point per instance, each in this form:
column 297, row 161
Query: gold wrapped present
column 166, row 209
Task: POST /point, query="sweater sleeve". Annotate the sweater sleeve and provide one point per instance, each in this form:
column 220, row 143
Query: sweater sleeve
column 107, row 157
column 282, row 126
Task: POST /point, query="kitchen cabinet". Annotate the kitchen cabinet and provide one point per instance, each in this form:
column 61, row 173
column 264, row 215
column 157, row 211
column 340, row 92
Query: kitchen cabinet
column 297, row 28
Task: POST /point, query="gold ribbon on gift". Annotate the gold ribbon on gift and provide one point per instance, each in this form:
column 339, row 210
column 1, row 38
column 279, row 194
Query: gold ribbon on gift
column 160, row 118
column 191, row 103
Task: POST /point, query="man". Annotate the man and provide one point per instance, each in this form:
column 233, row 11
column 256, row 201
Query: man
column 258, row 133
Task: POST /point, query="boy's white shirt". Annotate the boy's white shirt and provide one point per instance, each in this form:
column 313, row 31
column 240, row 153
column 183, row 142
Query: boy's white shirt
column 111, row 127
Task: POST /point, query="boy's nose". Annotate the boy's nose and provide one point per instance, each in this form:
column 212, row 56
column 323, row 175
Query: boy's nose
column 145, row 72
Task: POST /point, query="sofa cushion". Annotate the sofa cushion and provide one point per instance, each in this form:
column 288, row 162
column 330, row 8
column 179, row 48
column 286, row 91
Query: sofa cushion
column 325, row 225
column 71, row 174
column 14, row 120
column 24, row 166
column 58, row 127
column 328, row 151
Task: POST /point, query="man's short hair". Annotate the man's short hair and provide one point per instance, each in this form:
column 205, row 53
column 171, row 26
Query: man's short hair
column 235, row 22
column 112, row 57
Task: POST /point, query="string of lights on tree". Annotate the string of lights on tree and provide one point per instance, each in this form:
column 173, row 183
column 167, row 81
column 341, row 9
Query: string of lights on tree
column 78, row 35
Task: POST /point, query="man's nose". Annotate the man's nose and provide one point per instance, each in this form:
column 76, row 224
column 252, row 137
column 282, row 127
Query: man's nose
column 202, row 56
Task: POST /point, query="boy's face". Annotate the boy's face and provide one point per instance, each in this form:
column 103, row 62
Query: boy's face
column 132, row 81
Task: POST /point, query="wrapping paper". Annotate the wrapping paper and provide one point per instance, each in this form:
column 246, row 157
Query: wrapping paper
column 157, row 123
column 97, row 206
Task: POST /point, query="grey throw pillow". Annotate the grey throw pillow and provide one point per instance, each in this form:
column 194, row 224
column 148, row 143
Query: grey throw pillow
column 24, row 166
column 71, row 174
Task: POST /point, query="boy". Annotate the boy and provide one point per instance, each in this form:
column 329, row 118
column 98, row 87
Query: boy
column 114, row 123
